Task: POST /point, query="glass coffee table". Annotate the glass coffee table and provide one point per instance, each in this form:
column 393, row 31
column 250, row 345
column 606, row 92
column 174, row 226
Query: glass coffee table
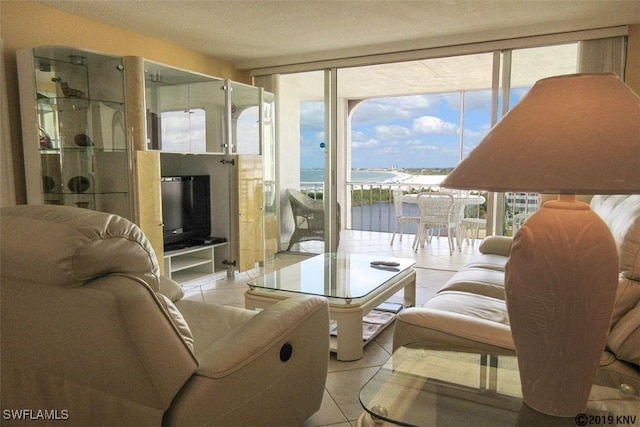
column 354, row 288
column 419, row 387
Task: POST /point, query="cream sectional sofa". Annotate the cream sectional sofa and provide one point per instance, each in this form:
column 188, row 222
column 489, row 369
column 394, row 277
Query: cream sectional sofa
column 469, row 312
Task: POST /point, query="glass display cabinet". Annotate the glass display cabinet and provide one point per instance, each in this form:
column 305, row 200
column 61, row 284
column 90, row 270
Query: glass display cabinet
column 73, row 121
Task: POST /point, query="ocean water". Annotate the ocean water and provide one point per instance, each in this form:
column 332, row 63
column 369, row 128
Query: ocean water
column 315, row 175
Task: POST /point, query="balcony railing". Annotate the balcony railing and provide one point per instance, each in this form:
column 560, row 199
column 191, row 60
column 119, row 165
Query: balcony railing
column 371, row 205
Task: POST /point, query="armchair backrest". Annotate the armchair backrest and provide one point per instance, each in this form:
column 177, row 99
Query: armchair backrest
column 82, row 326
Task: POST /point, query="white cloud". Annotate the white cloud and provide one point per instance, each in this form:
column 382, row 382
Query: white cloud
column 385, row 132
column 433, row 125
column 362, row 140
column 366, row 144
column 375, row 111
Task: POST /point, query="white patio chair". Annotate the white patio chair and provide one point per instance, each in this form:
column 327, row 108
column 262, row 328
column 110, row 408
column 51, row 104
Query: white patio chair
column 401, row 218
column 473, row 224
column 436, row 213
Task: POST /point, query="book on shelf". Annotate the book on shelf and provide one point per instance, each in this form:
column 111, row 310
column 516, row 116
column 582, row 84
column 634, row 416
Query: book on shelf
column 393, row 307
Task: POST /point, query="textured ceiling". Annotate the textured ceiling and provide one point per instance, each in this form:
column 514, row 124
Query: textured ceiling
column 255, row 34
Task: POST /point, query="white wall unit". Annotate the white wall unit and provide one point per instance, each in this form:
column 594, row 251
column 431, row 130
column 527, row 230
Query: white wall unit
column 79, row 135
column 202, row 125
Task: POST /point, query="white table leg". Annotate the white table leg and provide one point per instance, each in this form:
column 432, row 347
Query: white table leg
column 349, row 336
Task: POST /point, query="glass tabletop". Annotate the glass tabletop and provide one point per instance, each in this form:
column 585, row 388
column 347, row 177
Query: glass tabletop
column 335, row 275
column 419, row 387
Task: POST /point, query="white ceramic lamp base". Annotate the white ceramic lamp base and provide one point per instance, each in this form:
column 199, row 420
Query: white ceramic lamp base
column 560, row 286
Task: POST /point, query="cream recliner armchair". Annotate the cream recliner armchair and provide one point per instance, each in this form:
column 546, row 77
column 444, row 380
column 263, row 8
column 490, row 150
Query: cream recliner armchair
column 93, row 336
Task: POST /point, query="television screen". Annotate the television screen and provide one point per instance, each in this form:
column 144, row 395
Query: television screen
column 186, row 209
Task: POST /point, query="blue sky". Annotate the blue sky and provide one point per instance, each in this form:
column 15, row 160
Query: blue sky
column 418, row 131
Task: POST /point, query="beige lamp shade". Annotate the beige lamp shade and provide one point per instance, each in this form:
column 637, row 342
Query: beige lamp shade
column 573, row 134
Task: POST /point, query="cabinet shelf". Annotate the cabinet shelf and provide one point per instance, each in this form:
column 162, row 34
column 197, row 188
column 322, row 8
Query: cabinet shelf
column 84, row 193
column 184, row 262
column 81, row 150
column 195, row 262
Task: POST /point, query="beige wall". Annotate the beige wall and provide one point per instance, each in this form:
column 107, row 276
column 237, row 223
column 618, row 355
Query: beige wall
column 632, row 71
column 26, row 24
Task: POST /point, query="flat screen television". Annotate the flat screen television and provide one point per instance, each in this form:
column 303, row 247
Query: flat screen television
column 186, row 210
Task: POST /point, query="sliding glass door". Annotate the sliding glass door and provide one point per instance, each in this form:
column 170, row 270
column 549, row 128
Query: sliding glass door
column 305, row 165
column 408, row 121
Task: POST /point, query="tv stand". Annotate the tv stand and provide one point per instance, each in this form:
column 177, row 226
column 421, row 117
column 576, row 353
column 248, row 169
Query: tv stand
column 191, row 262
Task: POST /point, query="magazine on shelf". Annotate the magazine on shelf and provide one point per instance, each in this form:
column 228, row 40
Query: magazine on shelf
column 368, row 329
column 379, row 317
column 371, row 323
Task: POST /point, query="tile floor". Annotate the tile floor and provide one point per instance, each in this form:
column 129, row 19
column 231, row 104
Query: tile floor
column 340, row 405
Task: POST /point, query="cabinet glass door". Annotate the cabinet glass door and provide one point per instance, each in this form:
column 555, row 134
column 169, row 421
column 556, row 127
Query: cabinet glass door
column 245, row 119
column 271, row 225
column 82, row 144
column 185, row 110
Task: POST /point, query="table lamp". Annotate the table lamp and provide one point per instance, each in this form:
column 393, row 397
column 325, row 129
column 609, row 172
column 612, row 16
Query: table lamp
column 573, row 134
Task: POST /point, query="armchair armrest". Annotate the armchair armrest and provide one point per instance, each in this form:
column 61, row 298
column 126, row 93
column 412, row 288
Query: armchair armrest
column 496, row 245
column 246, row 378
column 270, row 328
column 170, row 289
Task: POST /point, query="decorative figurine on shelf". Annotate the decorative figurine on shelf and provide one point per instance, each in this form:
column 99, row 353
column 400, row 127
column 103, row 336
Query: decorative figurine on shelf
column 83, row 140
column 45, row 140
column 66, row 90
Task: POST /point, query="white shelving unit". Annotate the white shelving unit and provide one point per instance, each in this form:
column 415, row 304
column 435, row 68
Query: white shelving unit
column 196, row 262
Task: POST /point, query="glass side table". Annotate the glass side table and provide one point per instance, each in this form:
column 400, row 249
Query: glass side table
column 419, row 387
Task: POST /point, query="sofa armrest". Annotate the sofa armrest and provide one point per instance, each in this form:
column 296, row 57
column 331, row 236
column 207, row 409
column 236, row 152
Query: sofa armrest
column 497, row 245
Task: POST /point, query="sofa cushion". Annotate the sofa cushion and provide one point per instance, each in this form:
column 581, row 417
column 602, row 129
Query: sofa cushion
column 630, row 251
column 456, row 320
column 621, row 213
column 66, row 246
column 480, row 281
column 624, row 337
column 627, row 297
column 467, row 304
column 622, row 216
column 488, row 261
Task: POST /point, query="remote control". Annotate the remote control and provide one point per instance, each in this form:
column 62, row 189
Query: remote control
column 386, row 263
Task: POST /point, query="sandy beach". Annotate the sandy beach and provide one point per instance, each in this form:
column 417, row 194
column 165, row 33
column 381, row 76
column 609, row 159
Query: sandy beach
column 404, row 178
